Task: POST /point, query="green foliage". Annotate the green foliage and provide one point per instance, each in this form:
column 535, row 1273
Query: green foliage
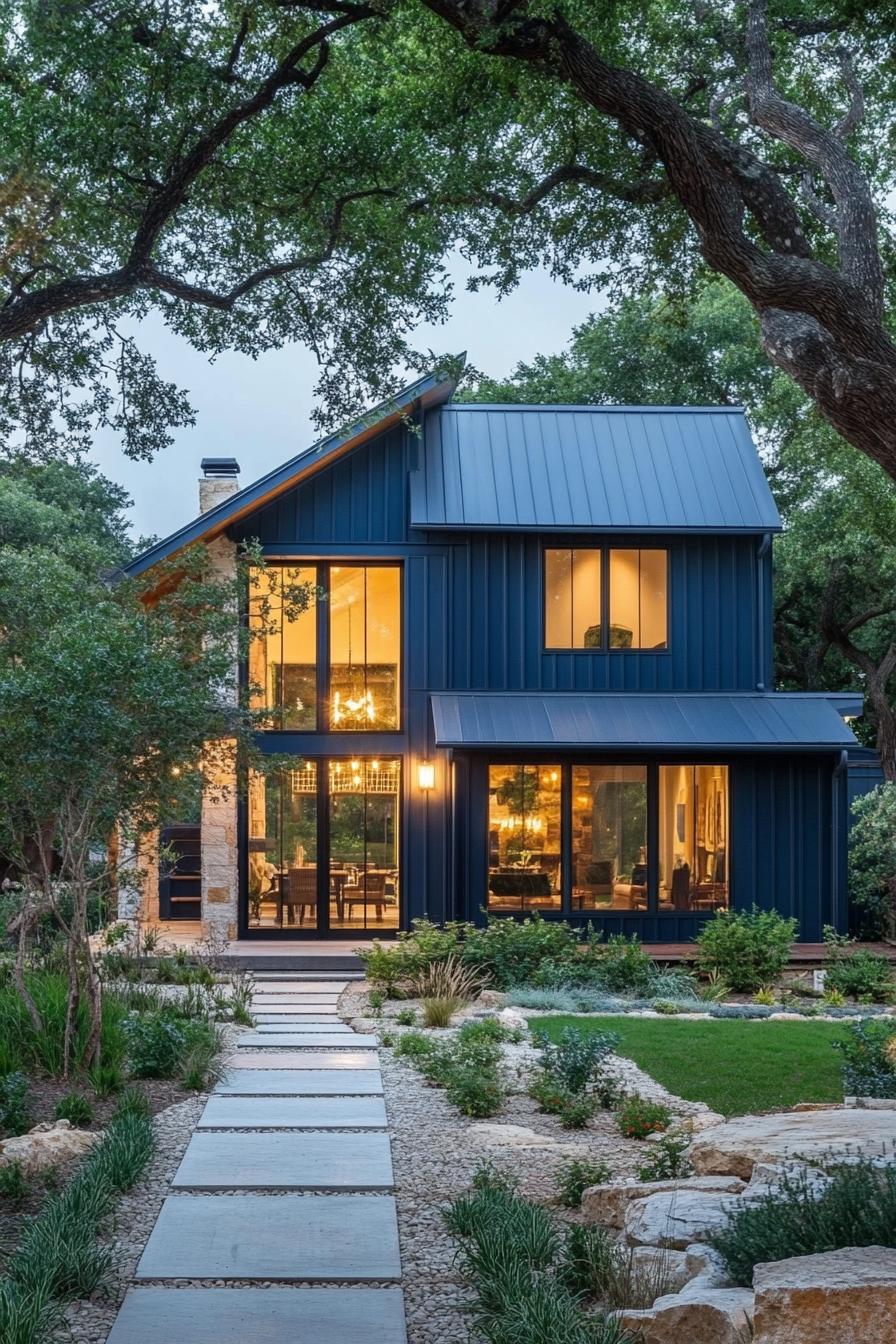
column 595, row 1263
column 106, row 1079
column 509, row 952
column 75, row 1108
column 872, row 861
column 24, row 1048
column 59, row 1257
column 156, row 1044
column 856, row 1208
column 668, row 1159
column 510, row 1249
column 856, row 972
column 575, row 1176
column 27, row 1316
column 15, row 1110
column 748, row 948
column 406, row 1017
column 200, row 1065
column 637, row 1117
column 467, row 1067
column 869, row 1058
column 13, row 1183
column 578, row 1059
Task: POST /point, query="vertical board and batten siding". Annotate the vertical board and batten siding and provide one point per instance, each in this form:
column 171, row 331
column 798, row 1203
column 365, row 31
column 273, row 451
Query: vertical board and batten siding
column 473, row 621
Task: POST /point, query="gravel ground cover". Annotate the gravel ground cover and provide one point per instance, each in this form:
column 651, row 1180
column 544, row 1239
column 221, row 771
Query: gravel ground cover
column 435, row 1151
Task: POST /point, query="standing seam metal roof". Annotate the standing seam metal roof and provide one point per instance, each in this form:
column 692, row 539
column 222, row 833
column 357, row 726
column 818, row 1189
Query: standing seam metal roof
column 772, row 720
column 619, row 468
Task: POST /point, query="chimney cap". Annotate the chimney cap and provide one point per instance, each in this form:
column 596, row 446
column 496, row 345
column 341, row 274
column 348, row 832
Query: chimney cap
column 220, row 466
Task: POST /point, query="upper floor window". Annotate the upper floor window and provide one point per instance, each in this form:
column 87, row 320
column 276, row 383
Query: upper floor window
column 335, row 664
column 630, row 611
column 365, row 646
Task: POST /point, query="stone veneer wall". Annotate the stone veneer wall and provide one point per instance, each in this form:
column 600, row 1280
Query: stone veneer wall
column 220, row 870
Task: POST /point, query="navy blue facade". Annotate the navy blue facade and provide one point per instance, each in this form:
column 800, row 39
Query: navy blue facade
column 473, row 606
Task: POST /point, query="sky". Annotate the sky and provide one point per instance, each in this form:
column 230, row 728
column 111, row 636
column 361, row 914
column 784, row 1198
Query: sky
column 258, row 411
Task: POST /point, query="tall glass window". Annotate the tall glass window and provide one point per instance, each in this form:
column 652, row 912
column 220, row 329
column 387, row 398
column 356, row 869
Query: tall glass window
column 283, row 654
column 365, row 647
column 694, row 837
column 638, row 617
column 282, row 863
column 523, row 838
column 609, row 837
column 364, row 798
column 572, row 599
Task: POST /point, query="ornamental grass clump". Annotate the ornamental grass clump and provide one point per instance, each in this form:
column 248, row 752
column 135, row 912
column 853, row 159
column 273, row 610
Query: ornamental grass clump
column 512, row 1252
column 856, row 1207
column 596, row 1264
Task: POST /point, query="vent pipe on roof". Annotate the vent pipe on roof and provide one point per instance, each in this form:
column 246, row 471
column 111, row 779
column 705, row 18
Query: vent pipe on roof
column 219, row 480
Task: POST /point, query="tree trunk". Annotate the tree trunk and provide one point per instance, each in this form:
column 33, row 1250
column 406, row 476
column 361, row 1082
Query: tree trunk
column 26, row 923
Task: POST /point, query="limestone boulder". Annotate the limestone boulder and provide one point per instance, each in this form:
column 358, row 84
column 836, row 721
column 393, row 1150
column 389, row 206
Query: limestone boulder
column 513, row 1019
column 47, row 1145
column 706, row 1268
column 715, row 1316
column 660, row 1266
column 678, row 1217
column 491, row 998
column 735, row 1147
column 606, row 1204
column 848, row 1296
column 520, row 1136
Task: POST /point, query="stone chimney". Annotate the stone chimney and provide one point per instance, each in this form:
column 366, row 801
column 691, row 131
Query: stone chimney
column 219, row 480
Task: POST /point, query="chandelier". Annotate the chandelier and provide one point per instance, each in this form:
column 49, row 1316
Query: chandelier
column 355, row 708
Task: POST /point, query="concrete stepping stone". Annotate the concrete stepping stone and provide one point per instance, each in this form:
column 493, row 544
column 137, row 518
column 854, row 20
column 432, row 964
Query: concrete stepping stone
column 303, row 1059
column 308, row 1161
column 293, row 1113
column 320, row 987
column 304, row 1040
column 327, row 1019
column 300, row 1083
column 296, row 1005
column 282, row 1237
column 299, row 1026
column 253, row 1315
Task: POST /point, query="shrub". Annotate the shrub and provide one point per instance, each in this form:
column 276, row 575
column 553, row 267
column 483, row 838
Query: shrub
column 439, row 1012
column 156, row 1045
column 406, row 1017
column 869, row 1058
column 475, row 1091
column 509, row 952
column 748, row 948
column 75, row 1108
column 578, row 1058
column 15, row 1111
column 667, row 1161
column 872, row 861
column 389, row 967
column 637, row 1117
column 413, row 1045
column 375, row 1001
column 623, row 965
column 856, row 972
column 200, row 1063
column 856, row 1208
column 13, row 1183
column 575, row 1176
column 576, row 1110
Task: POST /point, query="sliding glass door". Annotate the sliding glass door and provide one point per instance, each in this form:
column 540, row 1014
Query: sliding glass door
column 323, row 841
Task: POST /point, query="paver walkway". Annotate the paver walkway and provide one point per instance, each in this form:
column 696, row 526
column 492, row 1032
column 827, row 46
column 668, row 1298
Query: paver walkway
column 295, row 1136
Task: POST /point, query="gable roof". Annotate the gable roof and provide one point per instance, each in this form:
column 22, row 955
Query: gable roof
column 616, row 468
column 426, row 392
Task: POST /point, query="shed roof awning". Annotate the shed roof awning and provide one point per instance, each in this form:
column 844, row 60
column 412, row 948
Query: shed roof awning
column 773, row 721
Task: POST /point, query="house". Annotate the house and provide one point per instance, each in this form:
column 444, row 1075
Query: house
column 538, row 677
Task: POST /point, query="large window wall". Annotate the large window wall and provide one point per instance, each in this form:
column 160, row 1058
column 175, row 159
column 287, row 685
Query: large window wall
column 324, row 845
column 336, row 665
column 577, row 837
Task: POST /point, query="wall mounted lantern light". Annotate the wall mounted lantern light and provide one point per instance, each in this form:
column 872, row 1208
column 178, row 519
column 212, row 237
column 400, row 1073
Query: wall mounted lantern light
column 426, row 776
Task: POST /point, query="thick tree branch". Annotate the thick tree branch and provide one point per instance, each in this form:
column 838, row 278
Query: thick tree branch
column 856, row 221
column 29, row 311
column 638, row 191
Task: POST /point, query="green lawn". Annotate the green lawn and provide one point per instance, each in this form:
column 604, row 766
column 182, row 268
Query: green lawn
column 736, row 1067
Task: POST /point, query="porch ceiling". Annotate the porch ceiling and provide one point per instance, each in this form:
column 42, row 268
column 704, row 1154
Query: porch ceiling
column 773, row 721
